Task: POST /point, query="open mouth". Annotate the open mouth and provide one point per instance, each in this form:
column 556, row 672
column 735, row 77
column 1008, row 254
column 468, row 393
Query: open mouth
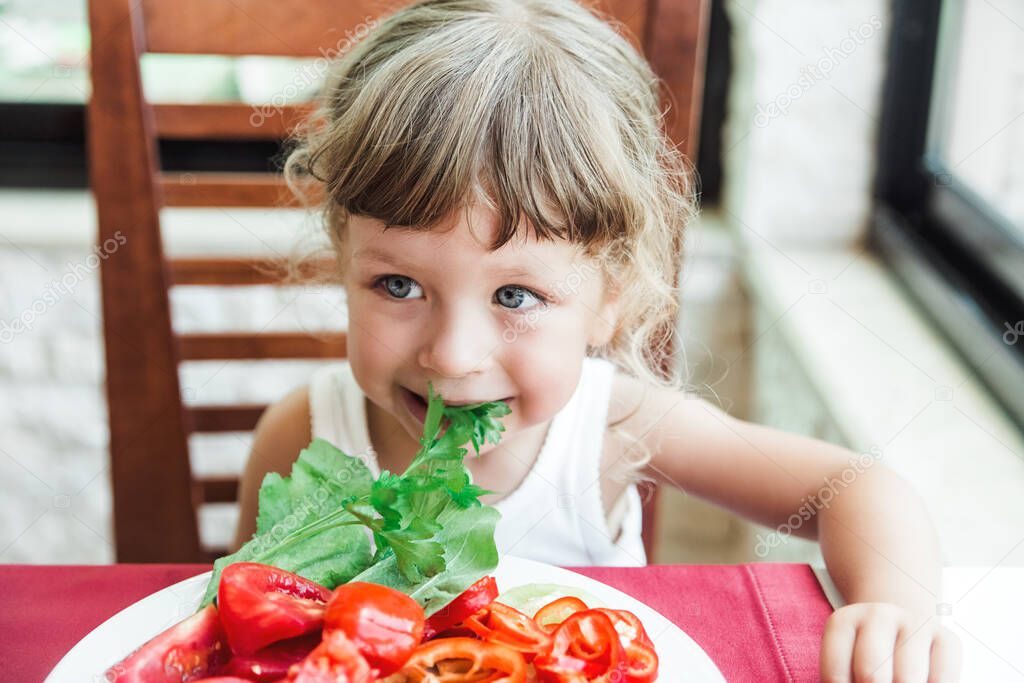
column 417, row 404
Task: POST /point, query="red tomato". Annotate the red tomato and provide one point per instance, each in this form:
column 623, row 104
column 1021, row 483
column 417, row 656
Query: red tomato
column 224, row 679
column 499, row 623
column 335, row 660
column 194, row 648
column 272, row 662
column 460, row 660
column 260, row 605
column 584, row 647
column 385, row 625
column 469, row 602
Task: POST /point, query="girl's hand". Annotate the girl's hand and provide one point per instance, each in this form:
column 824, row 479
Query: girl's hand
column 884, row 643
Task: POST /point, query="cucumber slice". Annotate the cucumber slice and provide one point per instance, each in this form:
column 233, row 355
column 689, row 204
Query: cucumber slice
column 530, row 597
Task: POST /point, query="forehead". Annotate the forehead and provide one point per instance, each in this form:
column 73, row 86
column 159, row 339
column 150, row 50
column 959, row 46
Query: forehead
column 462, row 241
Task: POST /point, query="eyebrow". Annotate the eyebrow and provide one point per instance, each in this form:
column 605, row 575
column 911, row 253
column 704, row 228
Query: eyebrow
column 385, row 256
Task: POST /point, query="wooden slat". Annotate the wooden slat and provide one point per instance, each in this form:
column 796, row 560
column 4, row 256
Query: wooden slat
column 676, row 46
column 311, row 28
column 241, row 346
column 152, row 503
column 631, row 13
column 208, row 419
column 225, row 189
column 240, row 271
column 216, row 490
column 228, row 121
column 225, row 271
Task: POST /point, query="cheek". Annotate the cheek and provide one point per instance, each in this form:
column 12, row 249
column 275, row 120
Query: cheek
column 374, row 347
column 546, row 365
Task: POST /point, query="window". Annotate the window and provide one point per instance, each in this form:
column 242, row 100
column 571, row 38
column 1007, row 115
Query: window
column 44, row 57
column 950, row 185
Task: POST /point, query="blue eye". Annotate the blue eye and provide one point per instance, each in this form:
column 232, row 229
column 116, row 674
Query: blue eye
column 397, row 286
column 512, row 296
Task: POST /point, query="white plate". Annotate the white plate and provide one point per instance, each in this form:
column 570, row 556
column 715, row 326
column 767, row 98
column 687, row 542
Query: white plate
column 115, row 638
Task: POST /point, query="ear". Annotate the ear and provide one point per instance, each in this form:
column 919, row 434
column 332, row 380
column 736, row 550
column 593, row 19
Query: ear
column 604, row 322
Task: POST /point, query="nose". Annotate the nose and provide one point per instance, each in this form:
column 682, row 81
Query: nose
column 458, row 344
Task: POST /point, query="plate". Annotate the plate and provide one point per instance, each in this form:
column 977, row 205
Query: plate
column 115, row 638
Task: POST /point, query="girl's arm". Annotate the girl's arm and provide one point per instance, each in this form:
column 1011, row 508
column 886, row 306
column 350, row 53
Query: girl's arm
column 875, row 534
column 282, row 431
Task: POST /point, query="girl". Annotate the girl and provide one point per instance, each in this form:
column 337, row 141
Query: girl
column 505, row 207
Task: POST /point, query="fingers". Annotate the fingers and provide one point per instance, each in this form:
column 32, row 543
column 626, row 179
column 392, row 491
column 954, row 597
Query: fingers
column 873, row 651
column 837, row 647
column 882, row 643
column 913, row 651
column 946, row 657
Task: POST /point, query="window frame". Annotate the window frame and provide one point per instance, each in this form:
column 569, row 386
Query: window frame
column 946, row 245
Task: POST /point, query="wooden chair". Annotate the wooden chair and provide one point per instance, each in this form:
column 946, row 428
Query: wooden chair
column 155, row 494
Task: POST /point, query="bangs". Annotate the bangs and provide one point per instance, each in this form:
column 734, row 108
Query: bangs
column 507, row 121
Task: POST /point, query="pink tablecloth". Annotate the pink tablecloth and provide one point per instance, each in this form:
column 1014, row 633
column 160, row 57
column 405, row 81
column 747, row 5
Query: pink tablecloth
column 758, row 622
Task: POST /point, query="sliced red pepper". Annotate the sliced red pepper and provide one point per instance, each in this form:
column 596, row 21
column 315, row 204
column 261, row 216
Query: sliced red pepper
column 640, row 664
column 469, row 602
column 464, row 660
column 554, row 613
column 505, row 625
column 628, row 625
column 585, row 647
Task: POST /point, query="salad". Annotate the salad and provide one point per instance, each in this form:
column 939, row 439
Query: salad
column 352, row 579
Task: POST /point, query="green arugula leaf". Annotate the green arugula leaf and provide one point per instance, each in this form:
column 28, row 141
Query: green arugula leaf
column 433, row 536
column 298, row 527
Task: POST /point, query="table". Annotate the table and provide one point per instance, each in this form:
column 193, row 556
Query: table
column 757, row 621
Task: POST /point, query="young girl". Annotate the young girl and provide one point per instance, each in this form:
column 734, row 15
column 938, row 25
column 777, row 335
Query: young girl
column 504, row 208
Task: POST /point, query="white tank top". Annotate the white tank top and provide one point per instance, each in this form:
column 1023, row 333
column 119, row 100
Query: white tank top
column 556, row 514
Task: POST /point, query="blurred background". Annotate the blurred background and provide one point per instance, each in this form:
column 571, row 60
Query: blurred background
column 857, row 272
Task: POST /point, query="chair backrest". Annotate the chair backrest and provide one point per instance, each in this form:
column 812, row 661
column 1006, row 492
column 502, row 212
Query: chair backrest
column 155, row 494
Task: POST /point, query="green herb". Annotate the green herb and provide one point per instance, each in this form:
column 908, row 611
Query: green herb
column 433, row 536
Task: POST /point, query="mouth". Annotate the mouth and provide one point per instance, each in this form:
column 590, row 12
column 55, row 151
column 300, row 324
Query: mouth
column 417, row 405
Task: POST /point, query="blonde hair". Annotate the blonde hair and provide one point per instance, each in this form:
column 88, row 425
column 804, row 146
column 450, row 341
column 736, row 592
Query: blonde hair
column 537, row 109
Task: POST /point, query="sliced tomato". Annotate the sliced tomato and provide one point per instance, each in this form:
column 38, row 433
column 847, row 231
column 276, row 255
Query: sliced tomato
column 505, row 625
column 335, row 660
column 260, row 605
column 224, row 679
column 464, row 660
column 554, row 613
column 272, row 662
column 585, row 644
column 385, row 624
column 187, row 651
column 469, row 602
